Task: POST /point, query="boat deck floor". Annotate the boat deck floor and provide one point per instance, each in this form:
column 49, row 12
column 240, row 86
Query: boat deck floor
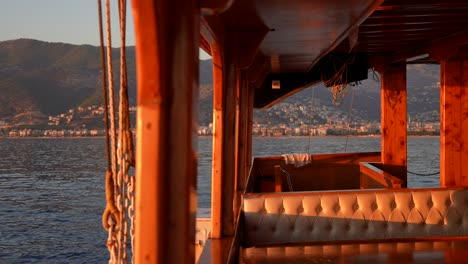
column 448, row 251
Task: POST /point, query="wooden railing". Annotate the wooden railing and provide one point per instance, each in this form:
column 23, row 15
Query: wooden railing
column 325, row 172
column 374, row 177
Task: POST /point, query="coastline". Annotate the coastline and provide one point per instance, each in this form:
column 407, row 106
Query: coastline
column 205, row 136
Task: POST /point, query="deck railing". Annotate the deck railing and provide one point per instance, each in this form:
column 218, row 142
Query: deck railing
column 374, row 177
column 324, row 172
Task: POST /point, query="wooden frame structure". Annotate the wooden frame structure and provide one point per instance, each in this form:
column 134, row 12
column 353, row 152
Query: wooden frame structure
column 253, row 43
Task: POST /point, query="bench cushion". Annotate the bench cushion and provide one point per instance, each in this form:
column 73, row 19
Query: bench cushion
column 280, row 218
column 400, row 252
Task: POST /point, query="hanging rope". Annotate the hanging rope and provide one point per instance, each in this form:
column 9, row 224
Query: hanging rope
column 125, row 154
column 288, row 178
column 338, row 82
column 111, row 219
column 104, row 84
column 111, row 89
column 120, row 197
column 349, row 120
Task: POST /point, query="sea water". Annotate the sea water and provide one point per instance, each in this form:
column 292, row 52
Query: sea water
column 52, row 190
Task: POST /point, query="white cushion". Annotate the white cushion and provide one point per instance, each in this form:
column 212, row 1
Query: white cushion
column 279, row 218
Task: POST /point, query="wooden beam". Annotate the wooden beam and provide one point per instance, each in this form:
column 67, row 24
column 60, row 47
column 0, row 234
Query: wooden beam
column 393, row 119
column 229, row 142
column 413, row 28
column 229, row 55
column 224, row 123
column 417, row 13
column 242, row 131
column 167, row 35
column 358, row 20
column 248, row 157
column 454, row 122
column 420, row 20
column 446, row 48
column 217, row 164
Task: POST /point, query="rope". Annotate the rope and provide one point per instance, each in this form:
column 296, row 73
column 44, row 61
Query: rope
column 423, row 174
column 288, row 178
column 349, row 119
column 111, row 88
column 126, row 155
column 111, row 209
column 120, row 198
column 111, row 217
column 104, row 85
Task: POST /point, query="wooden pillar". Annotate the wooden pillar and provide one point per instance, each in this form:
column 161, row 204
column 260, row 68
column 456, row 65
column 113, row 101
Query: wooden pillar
column 224, row 124
column 166, row 48
column 243, row 98
column 454, row 122
column 250, row 108
column 393, row 120
column 232, row 51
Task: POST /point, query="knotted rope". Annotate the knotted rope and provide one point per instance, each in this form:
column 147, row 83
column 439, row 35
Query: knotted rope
column 111, row 219
column 120, row 196
column 125, row 154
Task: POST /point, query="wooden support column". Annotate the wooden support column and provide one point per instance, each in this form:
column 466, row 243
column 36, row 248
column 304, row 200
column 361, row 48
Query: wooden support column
column 231, row 51
column 243, row 98
column 255, row 74
column 248, row 157
column 454, row 121
column 166, row 48
column 224, row 122
column 393, row 120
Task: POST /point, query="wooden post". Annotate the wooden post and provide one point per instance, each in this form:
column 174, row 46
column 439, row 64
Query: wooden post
column 224, row 118
column 278, row 181
column 217, row 161
column 248, row 158
column 166, row 48
column 454, row 122
column 393, row 120
column 242, row 132
column 231, row 51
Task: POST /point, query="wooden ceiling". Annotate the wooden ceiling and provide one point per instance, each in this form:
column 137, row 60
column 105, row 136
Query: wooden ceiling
column 398, row 26
column 302, row 33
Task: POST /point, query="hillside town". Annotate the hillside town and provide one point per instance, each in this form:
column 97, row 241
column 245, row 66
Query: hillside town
column 285, row 119
column 354, row 129
column 76, row 122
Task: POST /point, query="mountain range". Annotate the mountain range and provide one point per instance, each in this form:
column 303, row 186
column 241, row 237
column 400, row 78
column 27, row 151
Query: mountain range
column 41, row 79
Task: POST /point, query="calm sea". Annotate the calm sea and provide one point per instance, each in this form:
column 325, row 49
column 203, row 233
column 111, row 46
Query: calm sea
column 52, row 190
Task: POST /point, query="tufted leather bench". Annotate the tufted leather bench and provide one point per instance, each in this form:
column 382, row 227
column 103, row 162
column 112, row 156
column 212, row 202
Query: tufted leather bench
column 353, row 216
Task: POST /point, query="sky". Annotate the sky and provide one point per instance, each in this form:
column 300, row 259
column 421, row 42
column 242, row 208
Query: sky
column 67, row 21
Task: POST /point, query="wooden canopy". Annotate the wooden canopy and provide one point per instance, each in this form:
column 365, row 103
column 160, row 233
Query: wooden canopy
column 295, row 38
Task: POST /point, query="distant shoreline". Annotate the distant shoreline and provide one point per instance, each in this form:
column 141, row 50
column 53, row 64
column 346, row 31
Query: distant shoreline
column 282, row 137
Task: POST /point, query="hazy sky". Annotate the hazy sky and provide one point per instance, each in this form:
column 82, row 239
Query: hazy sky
column 68, row 21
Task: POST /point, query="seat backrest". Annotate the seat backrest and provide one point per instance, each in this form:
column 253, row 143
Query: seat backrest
column 282, row 218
